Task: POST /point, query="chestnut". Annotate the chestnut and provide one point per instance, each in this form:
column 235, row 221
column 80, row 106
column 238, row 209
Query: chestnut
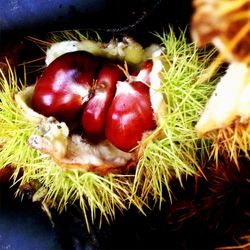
column 130, row 115
column 94, row 114
column 65, row 85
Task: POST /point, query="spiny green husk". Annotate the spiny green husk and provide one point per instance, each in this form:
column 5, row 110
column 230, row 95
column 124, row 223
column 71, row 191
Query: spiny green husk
column 178, row 152
column 232, row 141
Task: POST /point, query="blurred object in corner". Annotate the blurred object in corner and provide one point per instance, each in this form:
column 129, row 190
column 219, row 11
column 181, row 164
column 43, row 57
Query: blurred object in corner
column 224, row 23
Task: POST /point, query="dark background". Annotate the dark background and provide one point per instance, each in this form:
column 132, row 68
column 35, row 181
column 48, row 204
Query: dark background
column 23, row 224
column 135, row 17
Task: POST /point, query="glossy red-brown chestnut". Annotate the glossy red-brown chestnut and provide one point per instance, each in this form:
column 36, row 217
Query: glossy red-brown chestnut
column 130, row 115
column 64, row 86
column 95, row 111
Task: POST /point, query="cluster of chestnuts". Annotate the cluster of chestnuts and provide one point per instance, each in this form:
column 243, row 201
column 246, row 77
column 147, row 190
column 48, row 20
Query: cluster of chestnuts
column 97, row 97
